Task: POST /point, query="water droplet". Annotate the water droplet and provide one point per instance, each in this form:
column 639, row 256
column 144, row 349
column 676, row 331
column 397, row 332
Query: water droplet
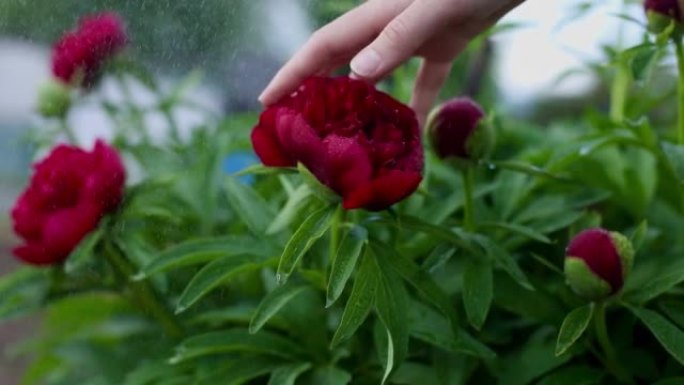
column 279, row 278
column 491, row 166
column 584, row 150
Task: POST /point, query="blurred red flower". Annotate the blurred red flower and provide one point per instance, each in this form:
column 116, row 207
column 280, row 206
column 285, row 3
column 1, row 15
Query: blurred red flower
column 358, row 141
column 83, row 51
column 70, row 190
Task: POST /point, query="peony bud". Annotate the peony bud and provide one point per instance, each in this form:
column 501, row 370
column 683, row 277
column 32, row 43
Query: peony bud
column 54, row 99
column 597, row 263
column 660, row 13
column 457, row 129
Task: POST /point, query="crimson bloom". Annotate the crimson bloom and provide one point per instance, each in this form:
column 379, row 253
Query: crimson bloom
column 669, row 8
column 82, row 52
column 456, row 130
column 597, row 262
column 70, row 190
column 360, row 142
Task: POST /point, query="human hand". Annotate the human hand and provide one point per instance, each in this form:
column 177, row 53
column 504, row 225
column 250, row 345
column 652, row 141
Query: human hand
column 379, row 35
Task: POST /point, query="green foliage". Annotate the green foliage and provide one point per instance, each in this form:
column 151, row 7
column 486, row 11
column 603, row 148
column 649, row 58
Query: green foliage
column 260, row 277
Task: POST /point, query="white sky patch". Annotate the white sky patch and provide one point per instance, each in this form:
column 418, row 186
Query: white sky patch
column 531, row 59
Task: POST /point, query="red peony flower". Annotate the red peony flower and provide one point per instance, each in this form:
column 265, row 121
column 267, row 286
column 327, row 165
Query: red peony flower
column 669, row 8
column 597, row 262
column 70, row 190
column 358, row 141
column 83, row 51
column 456, row 130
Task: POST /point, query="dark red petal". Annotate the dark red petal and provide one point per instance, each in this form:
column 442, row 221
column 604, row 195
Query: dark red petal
column 596, row 248
column 65, row 229
column 34, row 253
column 300, row 141
column 27, row 220
column 266, row 144
column 384, row 191
column 348, row 164
column 105, row 181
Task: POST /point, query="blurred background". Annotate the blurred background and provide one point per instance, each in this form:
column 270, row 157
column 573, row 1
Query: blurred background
column 544, row 60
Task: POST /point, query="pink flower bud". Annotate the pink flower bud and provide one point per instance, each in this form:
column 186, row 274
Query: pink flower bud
column 597, row 263
column 457, row 129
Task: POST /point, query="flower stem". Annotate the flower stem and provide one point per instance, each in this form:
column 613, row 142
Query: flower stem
column 618, row 92
column 468, row 207
column 66, row 130
column 611, row 360
column 679, row 50
column 142, row 292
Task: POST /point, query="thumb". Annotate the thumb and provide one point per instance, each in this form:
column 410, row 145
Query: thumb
column 397, row 42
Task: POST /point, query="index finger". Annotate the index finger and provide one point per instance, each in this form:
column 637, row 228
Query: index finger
column 331, row 46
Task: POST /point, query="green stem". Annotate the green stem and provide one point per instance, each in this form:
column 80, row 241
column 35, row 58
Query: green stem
column 618, row 92
column 602, row 335
column 679, row 50
column 174, row 130
column 66, row 130
column 468, row 175
column 142, row 292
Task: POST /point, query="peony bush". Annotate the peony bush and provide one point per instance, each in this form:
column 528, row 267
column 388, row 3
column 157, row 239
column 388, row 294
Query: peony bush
column 362, row 248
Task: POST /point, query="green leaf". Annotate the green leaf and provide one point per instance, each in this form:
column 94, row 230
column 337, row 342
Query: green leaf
column 320, row 190
column 391, row 305
column 655, row 287
column 670, row 381
column 298, row 200
column 240, row 370
column 675, row 155
column 669, row 336
column 478, row 290
column 360, row 301
column 343, row 265
column 203, row 250
column 573, row 375
column 639, row 235
column 81, row 256
column 517, row 229
column 308, row 232
column 260, row 169
column 419, row 279
column 526, row 169
column 238, row 341
column 330, row 375
column 287, row 374
column 249, row 206
column 272, row 303
column 505, row 261
column 213, row 275
column 454, row 237
column 22, row 291
column 573, row 327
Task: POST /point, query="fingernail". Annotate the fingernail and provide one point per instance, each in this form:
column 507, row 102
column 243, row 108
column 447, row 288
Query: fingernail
column 366, row 63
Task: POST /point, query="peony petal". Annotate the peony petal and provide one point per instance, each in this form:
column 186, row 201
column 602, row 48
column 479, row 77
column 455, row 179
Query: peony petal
column 596, row 248
column 266, row 144
column 33, row 253
column 383, row 191
column 301, row 142
column 106, row 177
column 65, row 229
column 348, row 165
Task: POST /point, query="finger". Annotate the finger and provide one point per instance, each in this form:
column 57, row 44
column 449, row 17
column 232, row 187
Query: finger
column 399, row 40
column 338, row 40
column 430, row 79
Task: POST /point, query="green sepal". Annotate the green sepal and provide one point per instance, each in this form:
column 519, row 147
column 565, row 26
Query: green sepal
column 320, row 190
column 583, row 281
column 54, row 99
column 626, row 252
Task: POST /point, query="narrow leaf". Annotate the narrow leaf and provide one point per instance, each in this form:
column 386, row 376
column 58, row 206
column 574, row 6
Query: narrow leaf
column 478, row 290
column 330, row 375
column 82, row 255
column 344, row 262
column 287, row 374
column 213, row 275
column 391, row 304
column 294, row 205
column 639, row 235
column 573, row 327
column 669, row 336
column 272, row 303
column 360, row 301
column 249, row 206
column 505, row 261
column 241, row 370
column 236, row 340
column 655, row 287
column 517, row 229
column 308, row 232
column 203, row 250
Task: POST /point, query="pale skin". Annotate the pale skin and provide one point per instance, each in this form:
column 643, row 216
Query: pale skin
column 379, row 35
